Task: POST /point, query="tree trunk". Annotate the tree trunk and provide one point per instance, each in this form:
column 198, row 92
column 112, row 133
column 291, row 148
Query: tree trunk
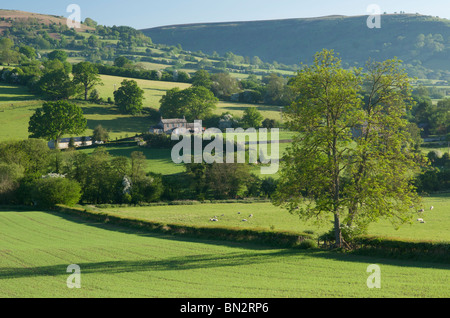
column 337, row 230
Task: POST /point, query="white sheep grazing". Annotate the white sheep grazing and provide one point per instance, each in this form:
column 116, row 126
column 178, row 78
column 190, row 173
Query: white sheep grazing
column 250, row 216
column 244, row 220
column 432, row 207
column 420, row 220
column 213, row 220
column 421, row 210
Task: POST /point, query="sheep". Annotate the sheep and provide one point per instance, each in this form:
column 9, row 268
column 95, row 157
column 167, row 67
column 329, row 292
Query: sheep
column 213, row 220
column 421, row 210
column 432, row 207
column 244, row 220
column 250, row 216
column 420, row 220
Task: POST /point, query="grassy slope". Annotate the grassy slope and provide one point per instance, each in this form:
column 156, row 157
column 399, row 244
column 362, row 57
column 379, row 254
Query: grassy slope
column 37, row 247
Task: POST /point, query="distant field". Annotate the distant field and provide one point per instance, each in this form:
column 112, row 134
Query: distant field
column 17, row 105
column 158, row 160
column 237, row 110
column 119, row 125
column 37, row 247
column 267, row 216
column 153, row 90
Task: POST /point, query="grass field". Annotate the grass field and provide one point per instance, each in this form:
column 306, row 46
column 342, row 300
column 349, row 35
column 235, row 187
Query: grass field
column 37, row 247
column 17, row 105
column 269, row 217
column 158, row 160
column 153, row 90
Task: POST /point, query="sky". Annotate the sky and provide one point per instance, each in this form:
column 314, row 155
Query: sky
column 142, row 14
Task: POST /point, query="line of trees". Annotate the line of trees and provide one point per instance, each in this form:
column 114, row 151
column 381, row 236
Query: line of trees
column 32, row 174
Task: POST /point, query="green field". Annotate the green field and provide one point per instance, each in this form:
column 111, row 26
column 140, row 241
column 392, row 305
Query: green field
column 17, row 105
column 37, row 247
column 269, row 217
column 158, row 160
column 153, row 90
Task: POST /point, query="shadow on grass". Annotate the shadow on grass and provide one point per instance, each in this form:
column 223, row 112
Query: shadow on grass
column 122, row 124
column 100, row 110
column 253, row 254
column 239, row 107
column 168, row 264
column 9, row 93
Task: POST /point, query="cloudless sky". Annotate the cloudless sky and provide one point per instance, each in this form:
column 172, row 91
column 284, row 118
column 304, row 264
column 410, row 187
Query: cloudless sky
column 152, row 13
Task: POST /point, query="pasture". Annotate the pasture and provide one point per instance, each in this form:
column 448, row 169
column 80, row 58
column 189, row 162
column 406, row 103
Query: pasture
column 269, row 217
column 158, row 160
column 17, row 105
column 37, row 247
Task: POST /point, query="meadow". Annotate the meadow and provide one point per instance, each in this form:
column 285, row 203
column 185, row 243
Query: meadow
column 17, row 105
column 37, row 247
column 268, row 217
column 158, row 160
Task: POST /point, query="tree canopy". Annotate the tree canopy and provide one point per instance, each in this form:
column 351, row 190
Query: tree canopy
column 129, row 97
column 194, row 103
column 86, row 74
column 56, row 119
column 353, row 156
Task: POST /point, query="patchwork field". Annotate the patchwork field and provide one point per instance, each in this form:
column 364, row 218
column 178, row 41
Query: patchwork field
column 37, row 247
column 17, row 105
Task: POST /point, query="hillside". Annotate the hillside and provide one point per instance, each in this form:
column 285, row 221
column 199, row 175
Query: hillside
column 423, row 42
column 7, row 17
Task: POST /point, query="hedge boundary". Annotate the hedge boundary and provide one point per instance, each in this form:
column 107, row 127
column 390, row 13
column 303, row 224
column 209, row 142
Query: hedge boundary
column 396, row 248
column 278, row 239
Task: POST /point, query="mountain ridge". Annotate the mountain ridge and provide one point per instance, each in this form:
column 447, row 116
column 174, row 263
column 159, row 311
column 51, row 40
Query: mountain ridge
column 295, row 40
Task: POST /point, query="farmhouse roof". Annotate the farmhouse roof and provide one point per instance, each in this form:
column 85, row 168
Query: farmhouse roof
column 173, row 121
column 75, row 139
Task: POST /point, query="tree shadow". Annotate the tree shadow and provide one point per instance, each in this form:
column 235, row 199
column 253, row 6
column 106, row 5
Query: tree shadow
column 100, row 110
column 123, row 124
column 129, row 266
column 14, row 93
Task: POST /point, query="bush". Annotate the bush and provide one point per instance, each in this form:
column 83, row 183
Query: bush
column 48, row 192
column 307, row 244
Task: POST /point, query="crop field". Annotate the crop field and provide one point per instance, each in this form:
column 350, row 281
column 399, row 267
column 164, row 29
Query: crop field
column 266, row 216
column 37, row 247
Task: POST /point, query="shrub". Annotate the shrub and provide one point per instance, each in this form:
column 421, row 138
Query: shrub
column 307, row 244
column 48, row 192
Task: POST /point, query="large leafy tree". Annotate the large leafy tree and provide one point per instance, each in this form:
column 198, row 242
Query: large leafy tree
column 202, row 78
column 194, row 103
column 56, row 119
column 353, row 156
column 129, row 97
column 57, row 85
column 86, row 74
